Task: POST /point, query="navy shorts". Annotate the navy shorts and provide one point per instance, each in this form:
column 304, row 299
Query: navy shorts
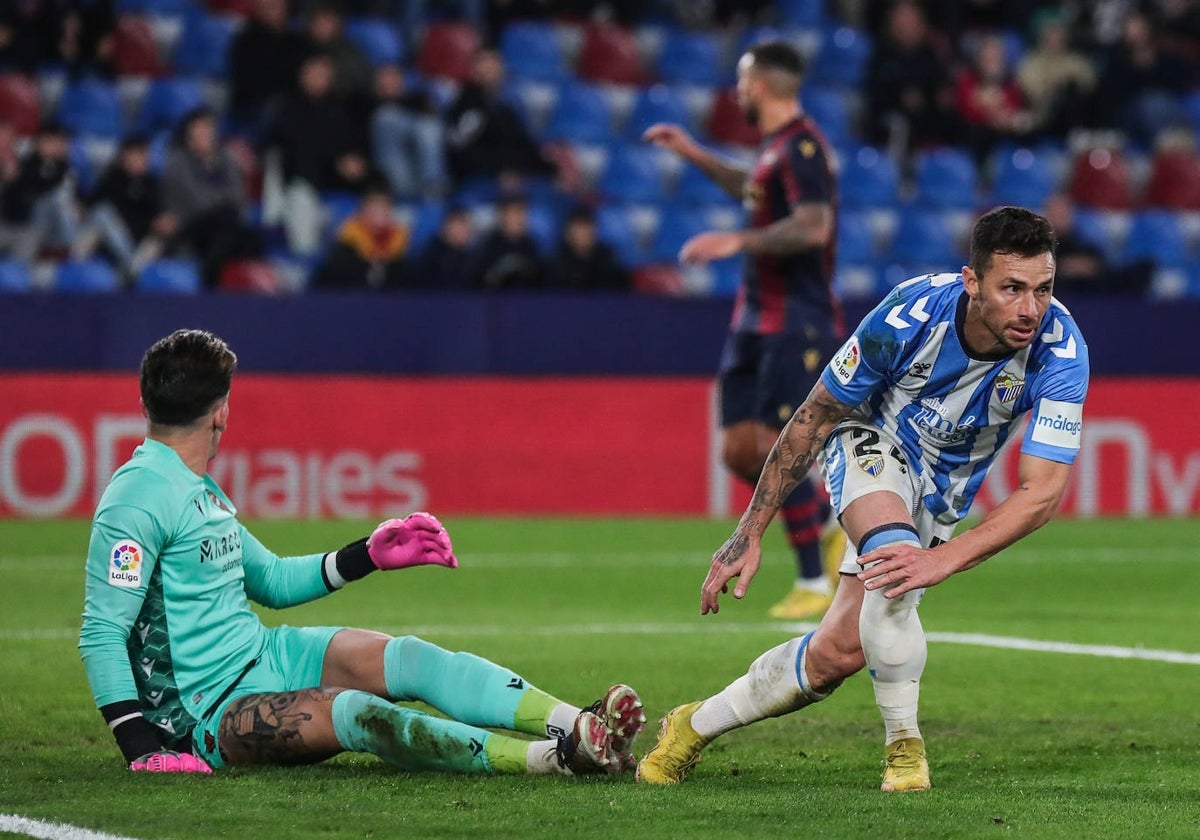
column 766, row 377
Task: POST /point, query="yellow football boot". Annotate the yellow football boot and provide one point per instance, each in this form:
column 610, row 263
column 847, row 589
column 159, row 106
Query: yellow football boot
column 906, row 768
column 677, row 751
column 801, row 603
column 833, row 549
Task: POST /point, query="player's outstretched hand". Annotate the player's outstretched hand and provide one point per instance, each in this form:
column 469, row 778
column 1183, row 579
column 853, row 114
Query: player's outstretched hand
column 669, row 136
column 710, row 245
column 169, row 761
column 738, row 558
column 901, row 568
column 416, row 540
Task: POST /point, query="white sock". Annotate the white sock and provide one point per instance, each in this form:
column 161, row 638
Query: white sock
column 898, row 704
column 561, row 720
column 819, row 585
column 541, row 758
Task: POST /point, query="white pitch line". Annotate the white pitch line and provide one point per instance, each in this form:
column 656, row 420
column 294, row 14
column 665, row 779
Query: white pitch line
column 52, row 831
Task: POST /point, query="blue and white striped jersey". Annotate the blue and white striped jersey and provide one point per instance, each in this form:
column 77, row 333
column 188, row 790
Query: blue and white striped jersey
column 907, row 371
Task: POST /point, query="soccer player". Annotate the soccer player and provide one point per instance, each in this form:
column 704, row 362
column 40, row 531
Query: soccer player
column 907, row 416
column 189, row 679
column 786, row 321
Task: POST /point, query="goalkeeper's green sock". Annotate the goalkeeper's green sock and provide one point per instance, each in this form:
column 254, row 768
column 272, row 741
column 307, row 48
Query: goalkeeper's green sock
column 412, row 740
column 471, row 689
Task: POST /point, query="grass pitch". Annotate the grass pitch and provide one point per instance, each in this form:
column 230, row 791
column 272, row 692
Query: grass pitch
column 1022, row 742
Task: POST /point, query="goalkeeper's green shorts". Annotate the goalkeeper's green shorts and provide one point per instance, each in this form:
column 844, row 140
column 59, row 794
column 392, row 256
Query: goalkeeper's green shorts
column 293, row 660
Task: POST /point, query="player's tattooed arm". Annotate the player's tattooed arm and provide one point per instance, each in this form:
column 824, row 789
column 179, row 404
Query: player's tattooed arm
column 290, row 727
column 808, row 226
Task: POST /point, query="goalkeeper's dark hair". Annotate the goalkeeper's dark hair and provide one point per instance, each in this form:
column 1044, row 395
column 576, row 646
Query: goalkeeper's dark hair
column 1010, row 230
column 780, row 57
column 184, row 375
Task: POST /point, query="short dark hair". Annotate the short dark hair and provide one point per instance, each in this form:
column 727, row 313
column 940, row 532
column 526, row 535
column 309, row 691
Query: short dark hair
column 1010, row 230
column 183, row 375
column 777, row 55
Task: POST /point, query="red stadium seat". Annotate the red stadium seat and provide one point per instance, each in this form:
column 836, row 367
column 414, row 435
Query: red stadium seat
column 610, row 54
column 1100, row 179
column 1175, row 180
column 237, row 8
column 249, row 276
column 134, row 50
column 447, row 49
column 252, row 174
column 727, row 124
column 658, row 280
column 19, row 103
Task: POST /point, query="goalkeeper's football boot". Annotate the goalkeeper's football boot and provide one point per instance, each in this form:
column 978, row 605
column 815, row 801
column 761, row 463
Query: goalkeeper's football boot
column 677, row 751
column 833, row 549
column 621, row 710
column 905, row 768
column 585, row 750
column 801, row 603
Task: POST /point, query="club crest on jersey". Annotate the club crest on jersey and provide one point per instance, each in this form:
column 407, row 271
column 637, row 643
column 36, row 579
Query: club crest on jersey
column 872, row 465
column 212, row 497
column 125, row 565
column 845, row 363
column 1008, row 387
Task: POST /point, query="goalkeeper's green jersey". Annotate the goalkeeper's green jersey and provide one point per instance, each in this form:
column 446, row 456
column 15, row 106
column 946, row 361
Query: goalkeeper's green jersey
column 166, row 617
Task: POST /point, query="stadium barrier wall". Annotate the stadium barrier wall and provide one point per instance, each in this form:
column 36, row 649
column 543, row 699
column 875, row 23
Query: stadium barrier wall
column 312, row 446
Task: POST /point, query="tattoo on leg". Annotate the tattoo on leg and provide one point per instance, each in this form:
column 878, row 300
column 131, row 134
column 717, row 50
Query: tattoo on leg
column 268, row 728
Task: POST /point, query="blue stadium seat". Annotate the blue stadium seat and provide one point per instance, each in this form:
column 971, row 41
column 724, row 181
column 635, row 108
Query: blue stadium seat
column 869, row 179
column 531, row 52
column 545, row 225
column 424, row 223
column 81, row 164
column 692, row 58
column 1093, row 227
column 338, row 207
column 181, row 277
column 1191, row 106
column 378, row 39
column 842, row 59
column 655, row 104
column 86, row 276
column 678, row 225
column 697, row 188
column 923, row 242
column 830, row 109
column 1025, row 177
column 167, row 102
column 1156, row 235
column 92, row 107
column 801, row 13
column 581, row 115
column 202, row 49
column 15, row 276
column 1192, row 289
column 613, row 226
column 726, row 277
column 756, row 35
column 946, row 178
column 855, row 238
column 164, row 8
column 632, row 175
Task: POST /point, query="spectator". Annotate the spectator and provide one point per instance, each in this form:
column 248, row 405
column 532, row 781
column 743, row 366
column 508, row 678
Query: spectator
column 10, row 168
column 263, row 59
column 352, row 70
column 77, row 36
column 910, row 97
column 989, row 100
column 321, row 149
column 40, row 205
column 1080, row 265
column 583, row 262
column 407, row 137
column 447, row 261
column 370, row 248
column 509, row 257
column 1055, row 80
column 127, row 213
column 203, row 189
column 486, row 138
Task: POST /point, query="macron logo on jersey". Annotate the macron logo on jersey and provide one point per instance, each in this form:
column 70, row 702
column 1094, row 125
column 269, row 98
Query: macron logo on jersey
column 845, row 361
column 125, row 564
column 1058, row 424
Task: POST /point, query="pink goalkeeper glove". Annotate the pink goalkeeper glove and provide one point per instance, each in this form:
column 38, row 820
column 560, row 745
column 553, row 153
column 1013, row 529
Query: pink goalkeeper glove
column 169, row 761
column 416, row 540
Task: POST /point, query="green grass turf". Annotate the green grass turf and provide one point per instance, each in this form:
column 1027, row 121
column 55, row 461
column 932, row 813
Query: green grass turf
column 1022, row 743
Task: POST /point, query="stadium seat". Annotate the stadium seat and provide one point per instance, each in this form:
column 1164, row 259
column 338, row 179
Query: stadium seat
column 167, row 102
column 164, row 8
column 203, row 47
column 15, row 276
column 581, row 115
column 170, row 276
column 1100, row 178
column 656, row 104
column 610, row 54
column 946, row 178
column 249, row 276
column 678, row 225
column 614, row 227
column 236, row 8
column 1024, row 177
column 695, row 188
column 531, row 52
column 545, row 226
column 923, row 242
column 727, row 124
column 632, row 175
column 800, row 13
column 337, row 207
column 423, row 223
column 726, row 277
column 1157, row 236
column 855, row 238
column 659, row 280
column 134, row 51
column 869, row 178
column 841, row 61
column 830, row 110
column 1175, row 180
column 91, row 107
column 379, row 40
column 19, row 103
column 447, row 50
column 692, row 58
column 85, row 276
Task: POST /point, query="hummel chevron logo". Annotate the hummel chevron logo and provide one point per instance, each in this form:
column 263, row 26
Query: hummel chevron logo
column 476, row 747
column 1067, row 352
column 1054, row 335
column 517, row 683
column 916, row 312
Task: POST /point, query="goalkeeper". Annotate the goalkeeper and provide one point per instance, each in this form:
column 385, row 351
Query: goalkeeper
column 188, row 678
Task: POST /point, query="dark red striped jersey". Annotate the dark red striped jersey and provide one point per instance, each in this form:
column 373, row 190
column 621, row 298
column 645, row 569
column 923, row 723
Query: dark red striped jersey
column 782, row 293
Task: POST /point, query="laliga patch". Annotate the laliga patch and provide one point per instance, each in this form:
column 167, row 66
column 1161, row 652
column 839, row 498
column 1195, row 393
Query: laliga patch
column 1058, row 424
column 845, row 362
column 125, row 564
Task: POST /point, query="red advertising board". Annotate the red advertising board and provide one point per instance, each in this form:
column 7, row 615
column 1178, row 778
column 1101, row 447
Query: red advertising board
column 308, row 446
